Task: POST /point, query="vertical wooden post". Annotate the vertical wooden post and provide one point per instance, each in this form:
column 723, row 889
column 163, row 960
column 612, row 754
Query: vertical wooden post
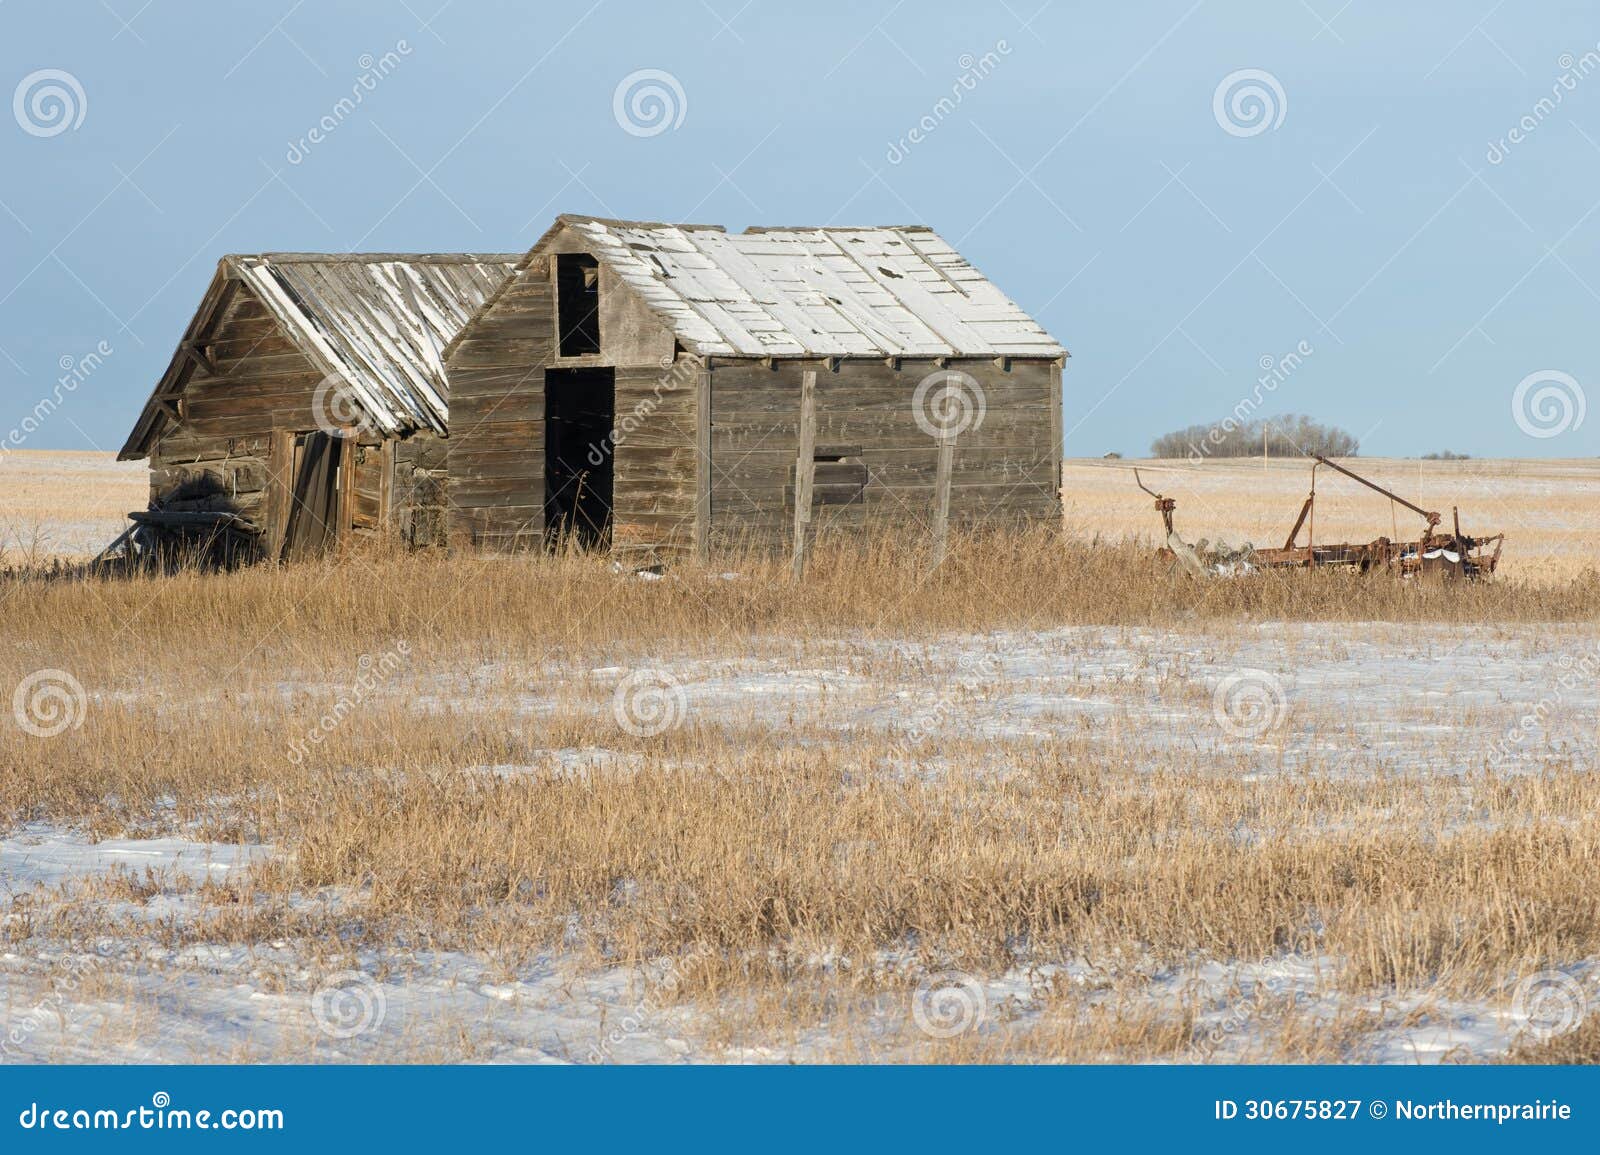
column 702, row 440
column 280, row 490
column 941, row 498
column 386, row 488
column 345, row 496
column 805, row 465
column 1058, row 448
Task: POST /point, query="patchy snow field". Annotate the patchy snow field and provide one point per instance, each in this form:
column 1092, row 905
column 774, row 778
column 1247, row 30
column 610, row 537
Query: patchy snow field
column 63, row 503
column 1242, row 703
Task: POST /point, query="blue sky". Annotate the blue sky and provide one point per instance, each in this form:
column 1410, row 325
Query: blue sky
column 1089, row 168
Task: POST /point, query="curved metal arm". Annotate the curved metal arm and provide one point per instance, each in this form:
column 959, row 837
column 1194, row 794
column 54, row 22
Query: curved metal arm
column 1429, row 516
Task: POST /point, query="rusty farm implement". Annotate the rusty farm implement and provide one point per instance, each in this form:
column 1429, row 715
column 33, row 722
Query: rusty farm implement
column 1436, row 552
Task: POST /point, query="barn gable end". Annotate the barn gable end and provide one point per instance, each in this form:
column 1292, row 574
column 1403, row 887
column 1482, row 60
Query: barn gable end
column 287, row 346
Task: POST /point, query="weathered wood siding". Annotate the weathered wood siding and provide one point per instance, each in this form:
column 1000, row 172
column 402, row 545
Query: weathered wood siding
column 1005, row 469
column 497, row 408
column 228, row 452
column 419, row 497
column 496, row 448
column 221, row 450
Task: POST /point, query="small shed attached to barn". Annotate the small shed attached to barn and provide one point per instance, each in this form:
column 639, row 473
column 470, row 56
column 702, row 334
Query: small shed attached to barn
column 660, row 388
column 307, row 402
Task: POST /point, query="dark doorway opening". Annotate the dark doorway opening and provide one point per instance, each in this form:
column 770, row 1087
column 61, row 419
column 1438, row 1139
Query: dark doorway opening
column 313, row 524
column 577, row 304
column 579, row 412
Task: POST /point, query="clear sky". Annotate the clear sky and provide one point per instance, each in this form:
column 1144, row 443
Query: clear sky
column 1371, row 207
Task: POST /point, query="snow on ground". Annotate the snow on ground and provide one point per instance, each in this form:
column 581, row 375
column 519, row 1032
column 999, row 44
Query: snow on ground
column 1373, row 693
column 1276, row 696
column 43, row 855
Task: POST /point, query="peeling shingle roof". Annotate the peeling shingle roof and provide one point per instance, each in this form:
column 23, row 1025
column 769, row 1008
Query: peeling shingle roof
column 378, row 321
column 823, row 292
column 381, row 325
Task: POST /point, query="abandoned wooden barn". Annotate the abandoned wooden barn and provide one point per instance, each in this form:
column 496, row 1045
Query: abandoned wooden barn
column 307, row 402
column 661, row 388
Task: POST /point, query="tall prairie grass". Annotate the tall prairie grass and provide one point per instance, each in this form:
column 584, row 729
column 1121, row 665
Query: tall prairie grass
column 811, row 867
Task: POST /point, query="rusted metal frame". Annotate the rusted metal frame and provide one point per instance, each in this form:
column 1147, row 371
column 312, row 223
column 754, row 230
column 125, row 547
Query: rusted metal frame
column 1429, row 516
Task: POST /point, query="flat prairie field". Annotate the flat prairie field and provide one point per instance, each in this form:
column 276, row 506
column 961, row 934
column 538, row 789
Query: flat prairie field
column 1044, row 802
column 1548, row 510
column 66, row 504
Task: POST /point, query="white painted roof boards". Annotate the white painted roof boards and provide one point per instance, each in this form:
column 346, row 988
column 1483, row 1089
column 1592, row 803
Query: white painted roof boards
column 825, row 292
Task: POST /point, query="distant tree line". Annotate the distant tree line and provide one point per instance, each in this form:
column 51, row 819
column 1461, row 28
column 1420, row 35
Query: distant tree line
column 1287, row 436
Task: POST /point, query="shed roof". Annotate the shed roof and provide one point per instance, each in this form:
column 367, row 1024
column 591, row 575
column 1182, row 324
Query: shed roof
column 815, row 292
column 378, row 321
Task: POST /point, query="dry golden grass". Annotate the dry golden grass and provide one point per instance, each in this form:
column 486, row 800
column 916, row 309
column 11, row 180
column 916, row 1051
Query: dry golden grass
column 1549, row 510
column 813, row 870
